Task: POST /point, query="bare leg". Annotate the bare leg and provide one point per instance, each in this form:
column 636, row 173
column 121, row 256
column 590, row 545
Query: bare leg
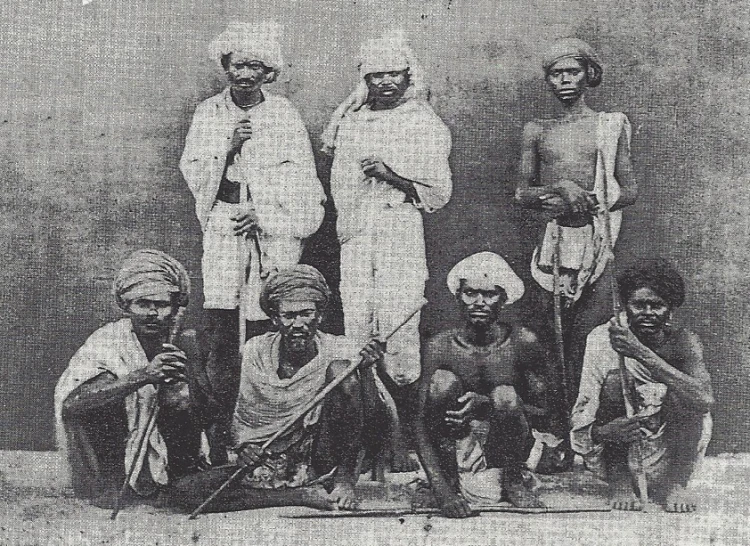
column 508, row 446
column 192, row 490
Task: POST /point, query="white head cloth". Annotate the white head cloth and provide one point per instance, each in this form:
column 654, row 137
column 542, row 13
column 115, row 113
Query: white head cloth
column 257, row 41
column 388, row 53
column 487, row 266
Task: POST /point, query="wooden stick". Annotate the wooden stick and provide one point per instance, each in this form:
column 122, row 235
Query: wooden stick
column 153, row 413
column 640, row 473
column 307, row 407
column 399, row 512
column 557, row 299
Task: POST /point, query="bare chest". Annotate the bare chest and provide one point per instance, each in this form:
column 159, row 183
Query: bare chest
column 568, row 149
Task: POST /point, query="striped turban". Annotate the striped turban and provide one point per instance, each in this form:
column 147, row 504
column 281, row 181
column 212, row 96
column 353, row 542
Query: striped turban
column 149, row 272
column 298, row 283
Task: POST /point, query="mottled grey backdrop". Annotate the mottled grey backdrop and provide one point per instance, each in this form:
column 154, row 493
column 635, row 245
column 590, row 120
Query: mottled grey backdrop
column 95, row 102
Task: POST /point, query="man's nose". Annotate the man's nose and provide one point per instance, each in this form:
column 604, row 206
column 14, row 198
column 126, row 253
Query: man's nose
column 152, row 310
column 298, row 322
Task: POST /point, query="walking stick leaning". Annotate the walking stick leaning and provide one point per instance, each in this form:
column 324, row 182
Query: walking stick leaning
column 557, row 300
column 625, row 381
column 150, row 424
column 297, row 416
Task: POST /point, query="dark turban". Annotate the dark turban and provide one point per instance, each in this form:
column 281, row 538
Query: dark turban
column 149, row 272
column 298, row 283
column 579, row 50
column 659, row 276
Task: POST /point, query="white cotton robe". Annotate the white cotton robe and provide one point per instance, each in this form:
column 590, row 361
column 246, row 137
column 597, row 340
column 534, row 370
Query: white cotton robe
column 383, row 264
column 114, row 348
column 277, row 172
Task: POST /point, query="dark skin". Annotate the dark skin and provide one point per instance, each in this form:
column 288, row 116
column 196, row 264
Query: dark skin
column 298, row 324
column 559, row 156
column 152, row 319
column 385, row 92
column 649, row 340
column 480, row 303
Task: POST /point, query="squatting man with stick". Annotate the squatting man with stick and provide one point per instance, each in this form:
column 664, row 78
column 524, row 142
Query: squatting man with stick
column 666, row 384
column 573, row 165
column 283, row 372
column 472, row 430
column 249, row 165
column 125, row 373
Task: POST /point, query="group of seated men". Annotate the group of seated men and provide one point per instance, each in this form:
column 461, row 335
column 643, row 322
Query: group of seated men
column 136, row 397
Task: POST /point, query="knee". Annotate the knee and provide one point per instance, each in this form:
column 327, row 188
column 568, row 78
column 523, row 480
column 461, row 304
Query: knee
column 350, row 385
column 505, row 399
column 445, row 388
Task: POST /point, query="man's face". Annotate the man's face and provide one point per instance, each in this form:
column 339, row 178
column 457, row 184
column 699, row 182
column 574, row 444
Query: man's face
column 647, row 312
column 480, row 302
column 153, row 315
column 298, row 323
column 387, row 87
column 246, row 74
column 567, row 79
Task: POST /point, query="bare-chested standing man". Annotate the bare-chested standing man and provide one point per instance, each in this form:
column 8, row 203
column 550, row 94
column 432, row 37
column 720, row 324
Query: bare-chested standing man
column 572, row 165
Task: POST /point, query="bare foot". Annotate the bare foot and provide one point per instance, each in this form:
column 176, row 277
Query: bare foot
column 317, row 497
column 343, row 497
column 678, row 501
column 519, row 489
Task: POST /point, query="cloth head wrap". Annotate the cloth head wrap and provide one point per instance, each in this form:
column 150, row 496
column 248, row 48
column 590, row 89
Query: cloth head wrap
column 490, row 266
column 298, row 283
column 257, row 41
column 579, row 50
column 388, row 53
column 147, row 273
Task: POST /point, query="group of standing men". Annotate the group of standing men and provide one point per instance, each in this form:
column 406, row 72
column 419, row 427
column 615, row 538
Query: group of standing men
column 250, row 167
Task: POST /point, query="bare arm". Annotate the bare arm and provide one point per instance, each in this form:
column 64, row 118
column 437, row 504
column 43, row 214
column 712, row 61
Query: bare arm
column 624, row 174
column 107, row 388
column 693, row 386
column 527, row 192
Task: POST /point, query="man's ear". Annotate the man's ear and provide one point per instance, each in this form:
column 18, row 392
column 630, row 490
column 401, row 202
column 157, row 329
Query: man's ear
column 271, row 77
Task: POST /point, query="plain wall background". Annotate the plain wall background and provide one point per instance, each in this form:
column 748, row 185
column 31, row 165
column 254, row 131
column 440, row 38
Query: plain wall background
column 95, row 102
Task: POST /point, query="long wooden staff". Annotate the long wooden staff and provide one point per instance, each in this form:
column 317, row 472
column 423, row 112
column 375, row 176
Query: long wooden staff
column 153, row 412
column 625, row 381
column 307, row 407
column 557, row 299
column 388, row 511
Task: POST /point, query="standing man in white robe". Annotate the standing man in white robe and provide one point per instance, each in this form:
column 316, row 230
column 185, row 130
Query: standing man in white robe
column 390, row 162
column 250, row 167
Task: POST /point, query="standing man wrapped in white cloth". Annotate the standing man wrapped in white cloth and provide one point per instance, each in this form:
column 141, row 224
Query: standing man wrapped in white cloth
column 250, row 167
column 390, row 162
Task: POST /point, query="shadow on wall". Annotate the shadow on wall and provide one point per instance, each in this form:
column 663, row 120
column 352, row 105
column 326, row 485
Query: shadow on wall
column 89, row 152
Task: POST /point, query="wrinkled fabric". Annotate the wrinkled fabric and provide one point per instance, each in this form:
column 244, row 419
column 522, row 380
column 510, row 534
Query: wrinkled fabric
column 599, row 360
column 150, row 272
column 383, row 262
column 266, row 402
column 298, row 283
column 276, row 170
column 490, row 266
column 114, row 348
column 585, row 249
column 258, row 41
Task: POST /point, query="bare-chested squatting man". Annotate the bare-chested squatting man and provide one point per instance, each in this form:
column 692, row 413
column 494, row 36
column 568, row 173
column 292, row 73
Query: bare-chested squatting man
column 669, row 386
column 471, row 421
column 282, row 372
column 103, row 398
column 571, row 164
column 248, row 163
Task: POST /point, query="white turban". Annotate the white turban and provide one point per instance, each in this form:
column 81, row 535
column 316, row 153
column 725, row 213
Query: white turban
column 257, row 41
column 388, row 53
column 487, row 266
